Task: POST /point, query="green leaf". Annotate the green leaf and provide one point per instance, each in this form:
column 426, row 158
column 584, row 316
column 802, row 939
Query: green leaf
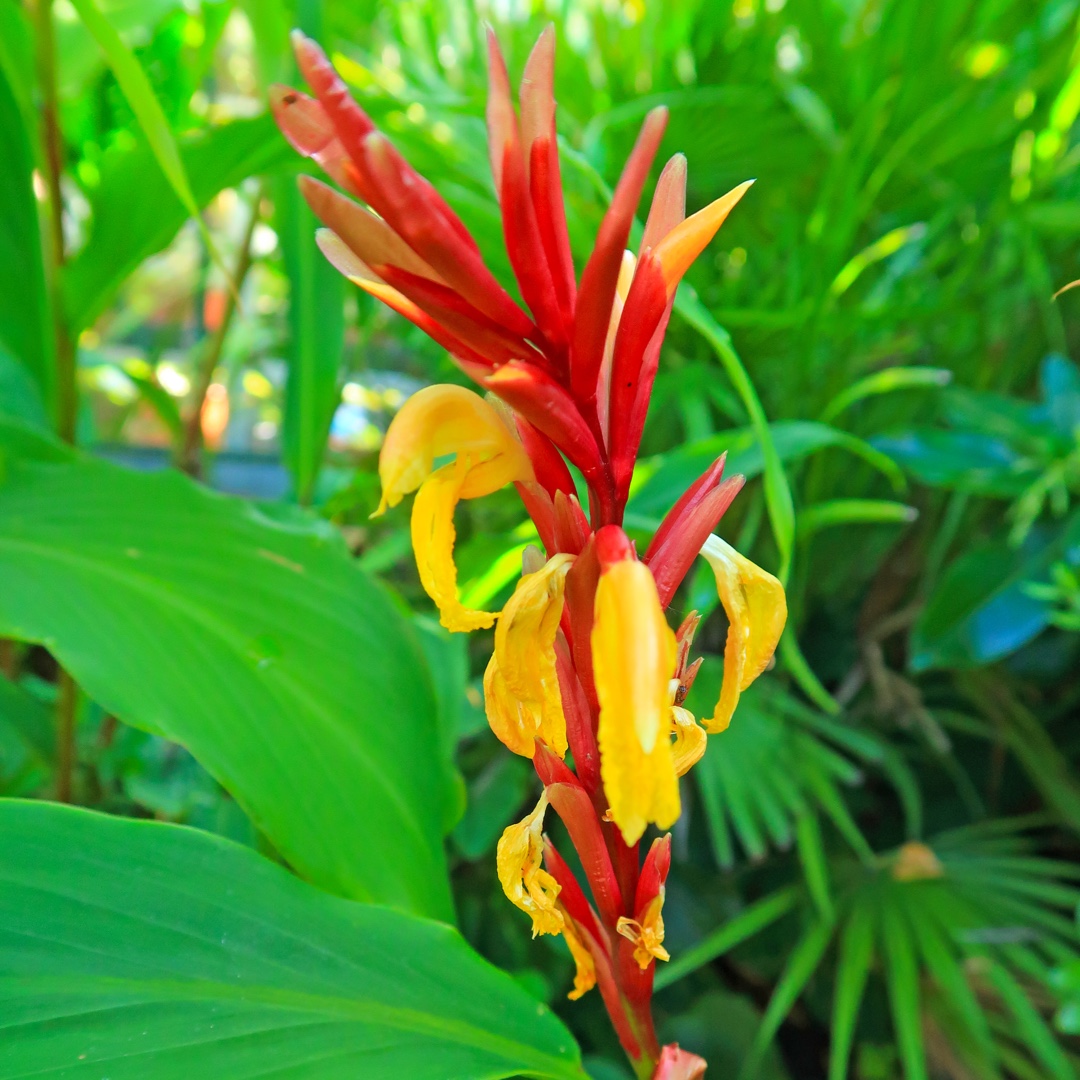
column 902, row 980
column 723, row 939
column 885, row 382
column 135, row 950
column 853, row 969
column 833, row 512
column 20, row 394
column 256, row 644
column 800, row 967
column 136, row 213
column 316, row 339
column 147, row 109
column 777, row 489
column 982, row 609
column 25, row 318
column 793, row 440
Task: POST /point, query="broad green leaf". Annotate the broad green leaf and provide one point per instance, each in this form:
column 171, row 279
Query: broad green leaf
column 136, row 950
column 25, row 318
column 256, row 644
column 981, row 609
column 316, row 339
column 136, row 213
column 20, row 394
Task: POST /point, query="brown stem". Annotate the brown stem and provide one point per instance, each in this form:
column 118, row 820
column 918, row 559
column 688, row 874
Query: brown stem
column 52, row 168
column 187, row 453
column 66, row 701
column 9, row 659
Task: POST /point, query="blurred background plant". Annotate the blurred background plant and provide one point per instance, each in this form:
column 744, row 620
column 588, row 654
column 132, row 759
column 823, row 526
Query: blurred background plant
column 875, row 876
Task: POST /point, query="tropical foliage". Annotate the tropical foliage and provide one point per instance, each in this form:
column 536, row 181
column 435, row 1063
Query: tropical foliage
column 874, row 872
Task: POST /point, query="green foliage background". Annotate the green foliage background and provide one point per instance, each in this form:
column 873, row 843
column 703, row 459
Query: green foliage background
column 874, row 339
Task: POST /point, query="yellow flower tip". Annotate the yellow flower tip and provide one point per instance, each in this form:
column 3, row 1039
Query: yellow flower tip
column 526, row 885
column 521, row 685
column 433, row 537
column 916, row 862
column 584, row 964
column 690, row 740
column 646, row 935
column 686, row 241
column 441, row 420
column 634, row 656
column 756, row 607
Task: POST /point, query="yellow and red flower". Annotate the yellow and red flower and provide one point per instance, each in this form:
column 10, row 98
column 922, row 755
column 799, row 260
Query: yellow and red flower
column 585, row 667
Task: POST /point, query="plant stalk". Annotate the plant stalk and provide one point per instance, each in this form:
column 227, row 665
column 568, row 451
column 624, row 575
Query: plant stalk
column 188, row 452
column 66, row 702
column 52, row 167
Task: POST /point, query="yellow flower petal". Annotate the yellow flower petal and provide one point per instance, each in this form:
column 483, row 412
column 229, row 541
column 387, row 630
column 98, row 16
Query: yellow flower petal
column 526, row 884
column 690, row 740
column 634, row 655
column 585, row 966
column 521, row 685
column 647, row 935
column 441, row 420
column 433, row 537
column 757, row 610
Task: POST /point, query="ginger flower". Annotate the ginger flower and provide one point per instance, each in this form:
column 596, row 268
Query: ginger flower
column 587, row 677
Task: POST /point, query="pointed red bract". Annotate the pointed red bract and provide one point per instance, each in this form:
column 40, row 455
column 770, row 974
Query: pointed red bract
column 593, row 309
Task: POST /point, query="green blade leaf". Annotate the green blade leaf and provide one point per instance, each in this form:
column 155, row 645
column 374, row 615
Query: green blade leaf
column 751, row 921
column 316, row 339
column 135, row 950
column 801, row 965
column 886, row 382
column 835, row 512
column 258, row 645
column 902, row 980
column 853, row 969
column 147, row 109
column 25, row 317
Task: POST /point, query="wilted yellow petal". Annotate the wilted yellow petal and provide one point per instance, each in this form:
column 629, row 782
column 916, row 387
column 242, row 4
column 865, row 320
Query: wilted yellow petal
column 441, row 420
column 433, row 536
column 526, row 884
column 585, row 966
column 521, row 685
column 757, row 610
column 690, row 740
column 634, row 655
column 647, row 935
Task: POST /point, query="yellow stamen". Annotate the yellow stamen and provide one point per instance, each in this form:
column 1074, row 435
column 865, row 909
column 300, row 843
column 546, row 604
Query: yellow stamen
column 756, row 608
column 585, row 966
column 916, row 862
column 647, row 935
column 526, row 884
column 690, row 740
column 634, row 655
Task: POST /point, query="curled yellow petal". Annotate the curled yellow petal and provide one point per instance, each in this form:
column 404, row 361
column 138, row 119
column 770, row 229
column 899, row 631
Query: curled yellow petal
column 690, row 740
column 433, row 536
column 526, row 884
column 757, row 610
column 585, row 966
column 646, row 934
column 441, row 420
column 634, row 655
column 521, row 685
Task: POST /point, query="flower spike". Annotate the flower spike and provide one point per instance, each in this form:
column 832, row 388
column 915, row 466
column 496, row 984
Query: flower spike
column 586, row 677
